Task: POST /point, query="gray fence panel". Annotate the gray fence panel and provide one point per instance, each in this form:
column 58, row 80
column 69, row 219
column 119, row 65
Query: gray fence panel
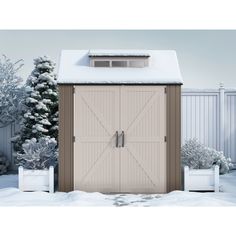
column 200, row 118
column 5, row 141
column 210, row 116
column 230, row 125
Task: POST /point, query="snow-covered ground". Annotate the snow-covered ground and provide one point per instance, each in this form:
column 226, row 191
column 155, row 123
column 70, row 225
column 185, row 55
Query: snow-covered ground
column 11, row 196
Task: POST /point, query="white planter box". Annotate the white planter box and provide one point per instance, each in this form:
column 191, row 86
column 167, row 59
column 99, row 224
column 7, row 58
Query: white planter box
column 36, row 180
column 201, row 179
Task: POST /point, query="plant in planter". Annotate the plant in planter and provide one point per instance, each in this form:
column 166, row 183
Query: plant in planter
column 36, row 143
column 201, row 166
column 36, row 164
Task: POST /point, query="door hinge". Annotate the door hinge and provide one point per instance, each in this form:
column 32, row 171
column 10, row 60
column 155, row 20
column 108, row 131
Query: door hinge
column 165, row 139
column 165, row 90
column 73, row 138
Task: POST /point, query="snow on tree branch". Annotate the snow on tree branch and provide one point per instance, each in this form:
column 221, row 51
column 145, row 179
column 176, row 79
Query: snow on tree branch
column 11, row 91
column 40, row 118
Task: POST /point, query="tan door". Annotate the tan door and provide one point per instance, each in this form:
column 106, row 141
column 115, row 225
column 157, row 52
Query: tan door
column 143, row 157
column 96, row 119
column 139, row 166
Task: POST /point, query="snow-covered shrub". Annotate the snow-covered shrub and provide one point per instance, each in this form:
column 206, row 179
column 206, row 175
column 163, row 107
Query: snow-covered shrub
column 12, row 92
column 194, row 155
column 38, row 154
column 40, row 118
column 197, row 156
column 219, row 159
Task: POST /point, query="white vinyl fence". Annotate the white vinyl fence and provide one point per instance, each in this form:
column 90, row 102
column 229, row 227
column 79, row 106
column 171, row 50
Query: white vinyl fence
column 210, row 116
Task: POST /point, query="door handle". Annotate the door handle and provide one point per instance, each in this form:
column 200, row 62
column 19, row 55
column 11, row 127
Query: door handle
column 123, row 139
column 117, row 138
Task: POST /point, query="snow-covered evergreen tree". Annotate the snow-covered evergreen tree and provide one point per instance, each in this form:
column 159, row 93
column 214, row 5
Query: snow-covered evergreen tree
column 41, row 114
column 11, row 91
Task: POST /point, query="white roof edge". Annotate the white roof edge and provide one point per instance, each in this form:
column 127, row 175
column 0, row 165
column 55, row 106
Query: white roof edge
column 171, row 82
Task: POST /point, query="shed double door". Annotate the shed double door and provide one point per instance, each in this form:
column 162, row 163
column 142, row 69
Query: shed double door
column 120, row 139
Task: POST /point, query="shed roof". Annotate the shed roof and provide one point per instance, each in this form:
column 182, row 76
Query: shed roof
column 74, row 68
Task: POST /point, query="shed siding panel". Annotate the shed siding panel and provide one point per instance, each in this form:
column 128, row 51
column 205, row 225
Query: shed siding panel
column 173, row 138
column 66, row 107
column 178, row 137
column 61, row 135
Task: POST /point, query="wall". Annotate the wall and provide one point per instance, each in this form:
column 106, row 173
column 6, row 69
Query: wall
column 210, row 116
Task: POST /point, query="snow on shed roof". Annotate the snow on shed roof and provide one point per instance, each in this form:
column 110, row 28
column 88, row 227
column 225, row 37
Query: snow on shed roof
column 117, row 53
column 163, row 68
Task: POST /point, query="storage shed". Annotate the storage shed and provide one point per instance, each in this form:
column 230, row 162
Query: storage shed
column 119, row 121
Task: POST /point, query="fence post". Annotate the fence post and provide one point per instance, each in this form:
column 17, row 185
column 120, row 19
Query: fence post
column 186, row 178
column 216, row 178
column 222, row 118
column 51, row 179
column 20, row 178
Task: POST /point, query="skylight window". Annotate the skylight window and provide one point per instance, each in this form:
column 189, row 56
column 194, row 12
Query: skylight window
column 121, row 62
column 135, row 60
column 137, row 63
column 101, row 63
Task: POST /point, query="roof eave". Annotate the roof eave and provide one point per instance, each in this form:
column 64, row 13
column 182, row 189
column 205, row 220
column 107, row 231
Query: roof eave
column 120, row 56
column 63, row 83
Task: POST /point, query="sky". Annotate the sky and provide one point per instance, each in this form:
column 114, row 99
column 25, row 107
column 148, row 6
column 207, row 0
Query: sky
column 206, row 57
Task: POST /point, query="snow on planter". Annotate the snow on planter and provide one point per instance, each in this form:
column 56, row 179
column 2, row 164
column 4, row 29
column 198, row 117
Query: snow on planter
column 36, row 180
column 201, row 179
